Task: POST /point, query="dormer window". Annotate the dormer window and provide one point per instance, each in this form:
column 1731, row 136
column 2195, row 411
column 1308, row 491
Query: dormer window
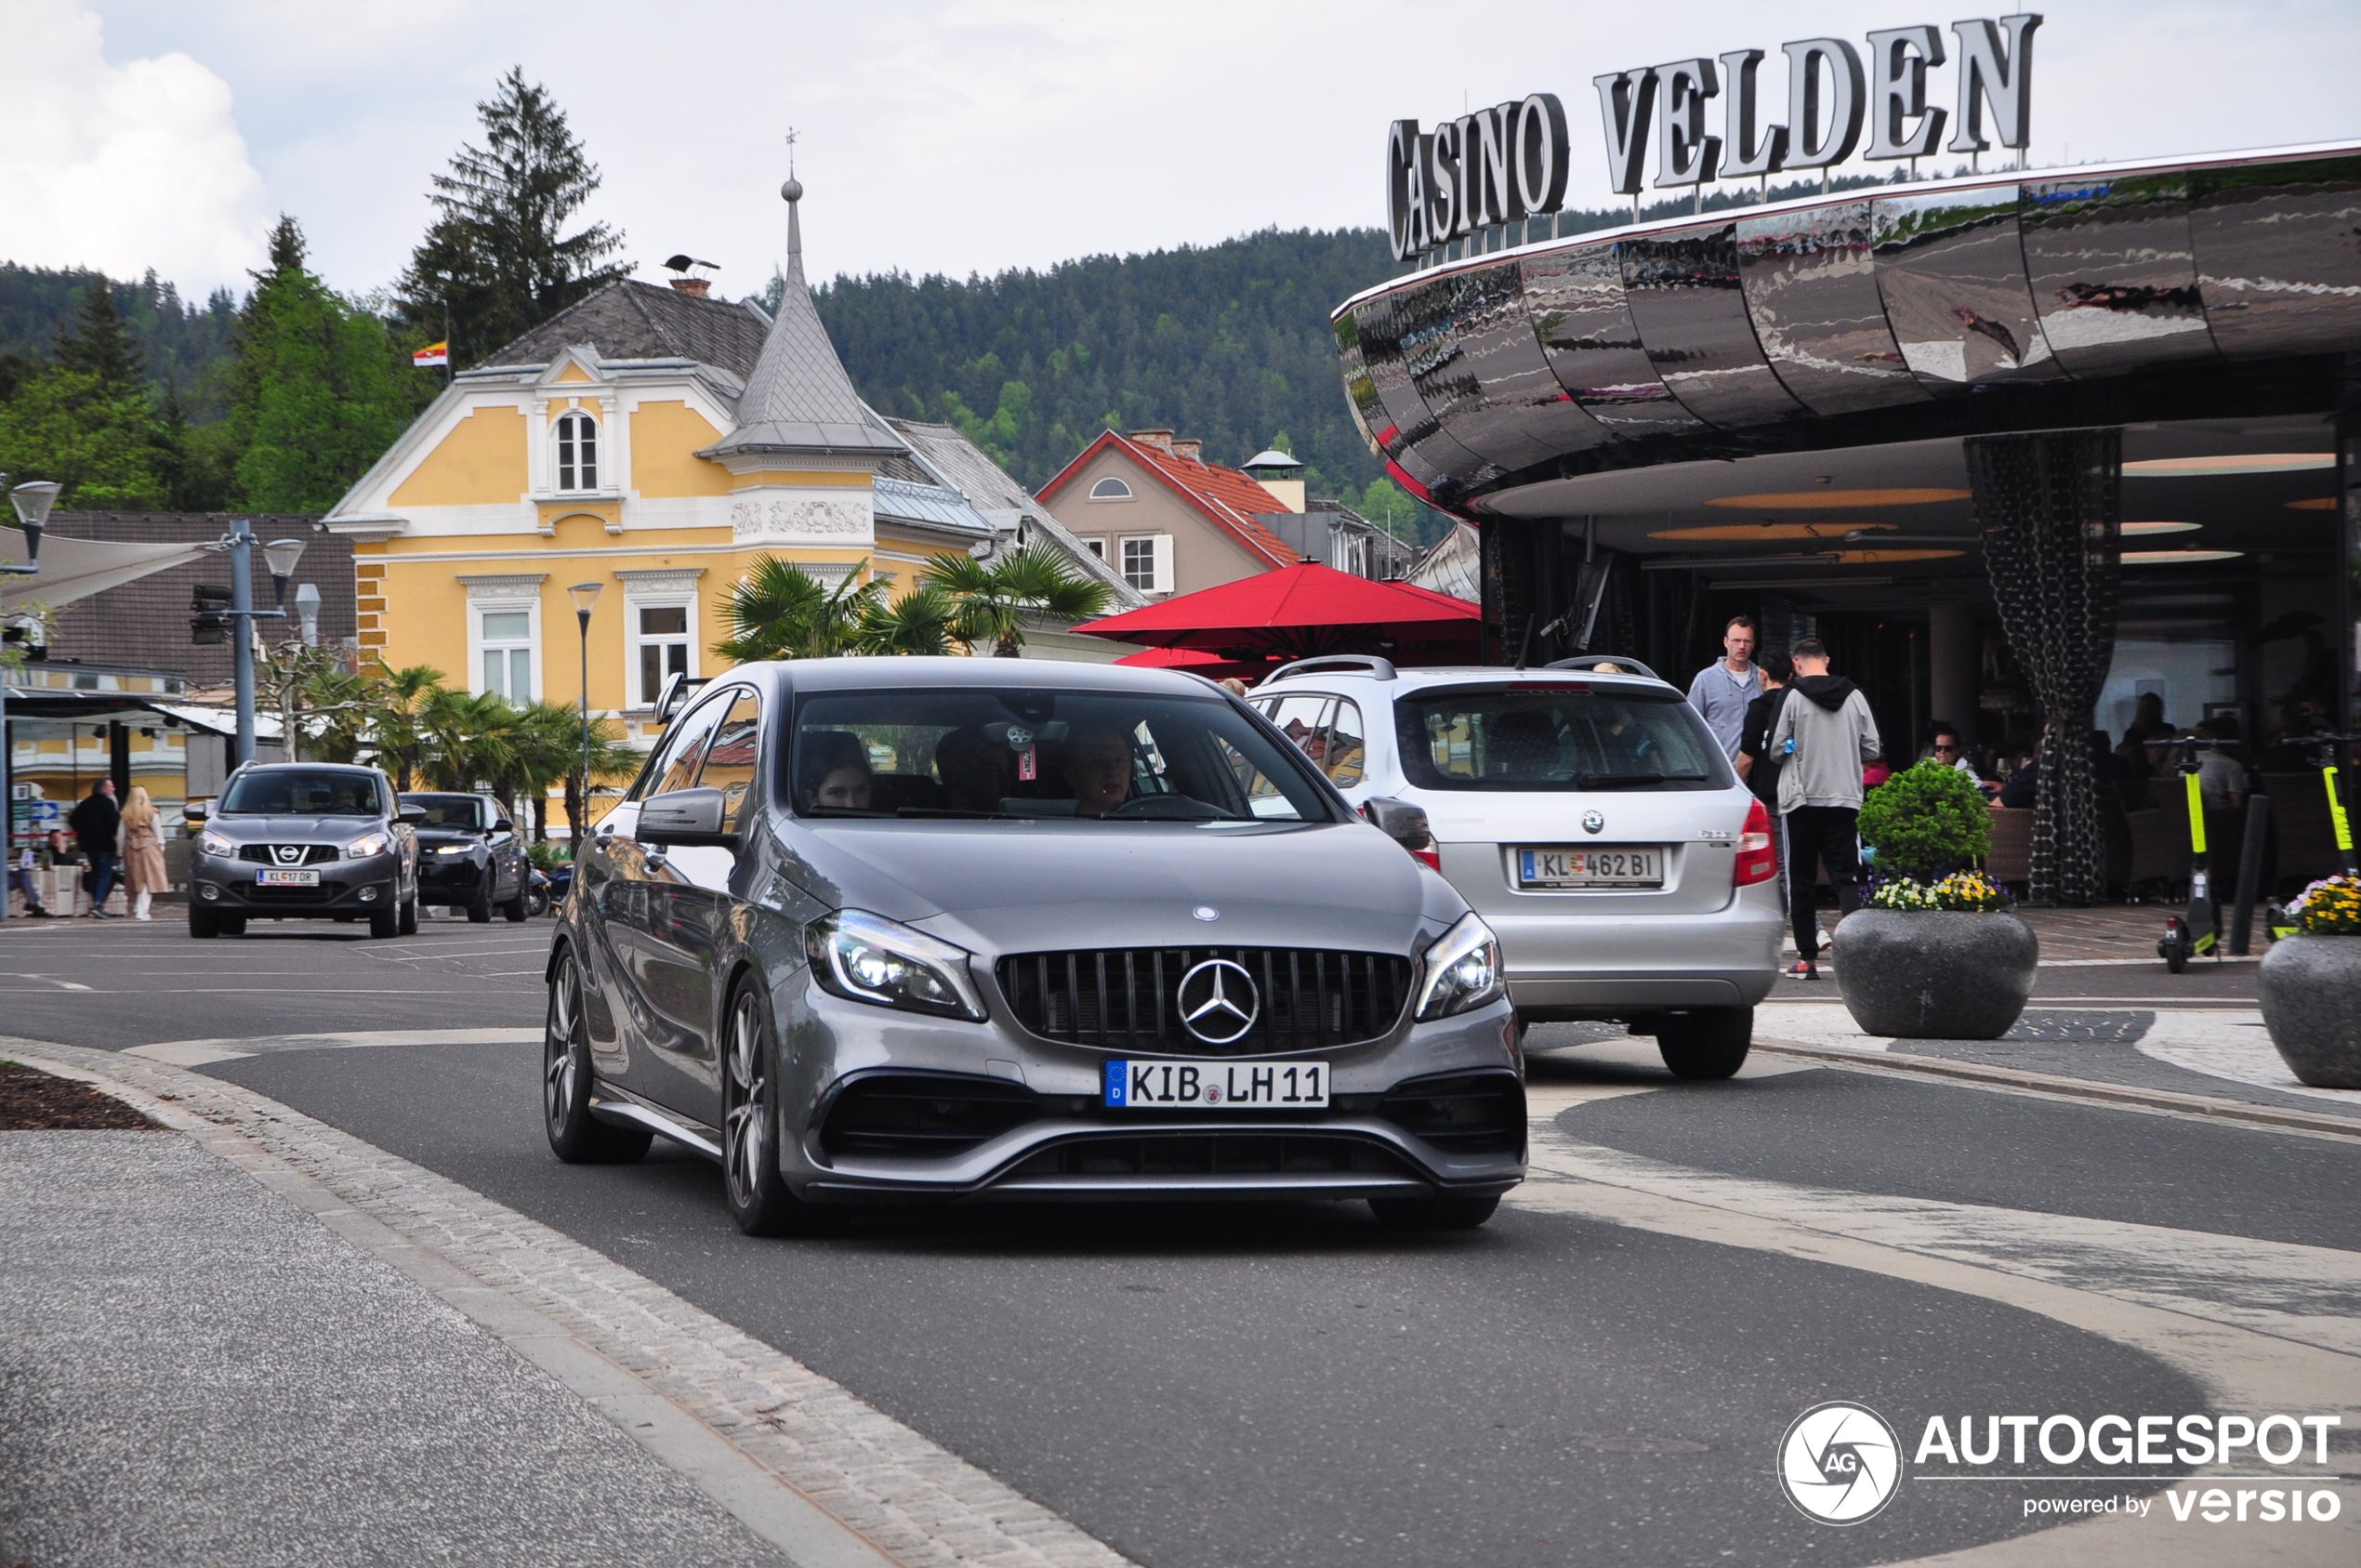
column 1111, row 488
column 577, row 452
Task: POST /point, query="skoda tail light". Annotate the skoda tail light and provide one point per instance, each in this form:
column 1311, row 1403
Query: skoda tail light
column 1758, row 860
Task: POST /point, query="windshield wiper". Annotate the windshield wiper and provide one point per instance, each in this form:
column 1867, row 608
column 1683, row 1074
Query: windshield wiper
column 1627, row 781
column 958, row 813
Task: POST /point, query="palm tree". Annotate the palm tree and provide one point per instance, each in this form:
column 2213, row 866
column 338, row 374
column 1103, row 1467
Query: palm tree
column 473, row 740
column 550, row 749
column 399, row 706
column 995, row 602
column 779, row 611
column 920, row 622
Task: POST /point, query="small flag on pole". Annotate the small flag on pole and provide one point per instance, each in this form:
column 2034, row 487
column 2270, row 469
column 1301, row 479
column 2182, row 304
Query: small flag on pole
column 432, row 354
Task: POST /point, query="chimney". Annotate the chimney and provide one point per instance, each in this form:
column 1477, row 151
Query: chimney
column 1188, row 446
column 700, row 287
column 1160, row 439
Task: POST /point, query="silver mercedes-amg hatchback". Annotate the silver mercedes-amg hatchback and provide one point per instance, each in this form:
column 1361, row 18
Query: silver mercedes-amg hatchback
column 869, row 929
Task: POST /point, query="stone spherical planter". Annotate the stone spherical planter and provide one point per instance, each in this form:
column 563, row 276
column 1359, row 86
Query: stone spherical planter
column 1923, row 974
column 2311, row 990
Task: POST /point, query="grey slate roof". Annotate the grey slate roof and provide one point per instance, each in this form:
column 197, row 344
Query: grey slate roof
column 960, row 462
column 930, row 503
column 637, row 320
column 798, row 399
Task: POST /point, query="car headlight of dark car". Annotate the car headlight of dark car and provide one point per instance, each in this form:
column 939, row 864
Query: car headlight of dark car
column 1462, row 969
column 864, row 957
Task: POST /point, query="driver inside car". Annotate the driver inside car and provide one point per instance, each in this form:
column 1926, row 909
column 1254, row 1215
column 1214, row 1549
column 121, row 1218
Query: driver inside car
column 1098, row 768
column 978, row 770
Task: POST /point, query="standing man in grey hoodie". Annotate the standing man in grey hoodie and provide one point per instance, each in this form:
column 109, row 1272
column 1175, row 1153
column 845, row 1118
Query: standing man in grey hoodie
column 1823, row 741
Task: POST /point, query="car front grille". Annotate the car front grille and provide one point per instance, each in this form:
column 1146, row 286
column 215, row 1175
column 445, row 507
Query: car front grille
column 1128, row 998
column 268, row 854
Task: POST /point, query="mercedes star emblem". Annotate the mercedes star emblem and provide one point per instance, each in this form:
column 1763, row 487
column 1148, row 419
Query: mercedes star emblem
column 1205, row 912
column 1593, row 823
column 1219, row 1002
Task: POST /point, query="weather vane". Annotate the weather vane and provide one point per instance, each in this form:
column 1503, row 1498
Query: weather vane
column 791, row 150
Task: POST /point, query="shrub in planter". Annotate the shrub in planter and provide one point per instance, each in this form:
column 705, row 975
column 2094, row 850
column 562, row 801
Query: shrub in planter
column 2311, row 986
column 1938, row 954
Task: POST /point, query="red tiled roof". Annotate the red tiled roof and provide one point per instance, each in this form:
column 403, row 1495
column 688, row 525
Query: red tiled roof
column 1226, row 495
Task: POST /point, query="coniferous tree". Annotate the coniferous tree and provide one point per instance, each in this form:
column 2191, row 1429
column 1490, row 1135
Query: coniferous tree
column 497, row 260
column 88, row 419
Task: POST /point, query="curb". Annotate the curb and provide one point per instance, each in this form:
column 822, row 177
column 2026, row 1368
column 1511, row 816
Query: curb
column 799, row 1460
column 2077, row 1088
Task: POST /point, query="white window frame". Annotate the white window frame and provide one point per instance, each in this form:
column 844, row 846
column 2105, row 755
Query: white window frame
column 1159, row 558
column 1096, row 544
column 1123, row 486
column 660, row 589
column 558, row 439
column 504, row 595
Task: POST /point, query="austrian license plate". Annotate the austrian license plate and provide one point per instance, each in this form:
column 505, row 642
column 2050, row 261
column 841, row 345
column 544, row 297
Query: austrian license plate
column 1622, row 865
column 1217, row 1085
column 276, row 878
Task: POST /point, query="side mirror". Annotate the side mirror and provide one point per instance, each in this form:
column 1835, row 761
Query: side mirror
column 414, row 815
column 196, row 812
column 504, row 825
column 1406, row 826
column 684, row 816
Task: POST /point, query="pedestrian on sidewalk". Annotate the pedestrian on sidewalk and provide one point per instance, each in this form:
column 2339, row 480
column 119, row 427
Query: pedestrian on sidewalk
column 97, row 824
column 29, row 861
column 142, row 850
column 1823, row 738
column 1725, row 689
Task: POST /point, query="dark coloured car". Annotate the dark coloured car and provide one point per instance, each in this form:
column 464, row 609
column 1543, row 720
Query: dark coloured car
column 471, row 856
column 974, row 929
column 304, row 841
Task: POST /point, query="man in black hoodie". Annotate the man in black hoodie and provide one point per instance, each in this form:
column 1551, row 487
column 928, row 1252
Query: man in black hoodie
column 96, row 823
column 1822, row 743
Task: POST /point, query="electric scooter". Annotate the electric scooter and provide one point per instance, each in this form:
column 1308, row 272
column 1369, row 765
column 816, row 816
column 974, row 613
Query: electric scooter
column 2197, row 931
column 2324, row 757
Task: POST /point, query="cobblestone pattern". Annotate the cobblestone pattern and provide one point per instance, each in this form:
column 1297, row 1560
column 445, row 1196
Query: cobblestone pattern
column 912, row 1497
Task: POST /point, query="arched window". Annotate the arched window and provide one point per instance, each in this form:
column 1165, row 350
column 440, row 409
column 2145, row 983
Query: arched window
column 577, row 452
column 1111, row 488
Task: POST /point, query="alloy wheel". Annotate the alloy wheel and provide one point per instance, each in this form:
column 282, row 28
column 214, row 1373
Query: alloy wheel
column 560, row 1055
column 742, row 1129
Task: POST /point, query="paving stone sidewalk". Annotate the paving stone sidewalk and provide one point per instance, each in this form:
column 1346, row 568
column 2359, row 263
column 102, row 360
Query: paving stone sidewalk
column 293, row 1290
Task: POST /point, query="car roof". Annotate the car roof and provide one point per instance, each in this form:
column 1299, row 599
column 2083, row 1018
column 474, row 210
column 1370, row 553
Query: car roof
column 922, row 671
column 1468, row 675
column 309, row 768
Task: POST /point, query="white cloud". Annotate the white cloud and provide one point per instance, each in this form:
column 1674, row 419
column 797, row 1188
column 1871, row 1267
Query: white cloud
column 121, row 166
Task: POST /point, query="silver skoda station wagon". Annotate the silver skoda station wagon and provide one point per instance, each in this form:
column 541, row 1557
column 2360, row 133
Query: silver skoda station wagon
column 893, row 928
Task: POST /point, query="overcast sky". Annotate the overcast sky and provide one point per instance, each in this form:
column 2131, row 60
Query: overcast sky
column 955, row 135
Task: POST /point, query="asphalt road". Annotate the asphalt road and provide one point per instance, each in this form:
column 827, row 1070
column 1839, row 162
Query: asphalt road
column 1210, row 1385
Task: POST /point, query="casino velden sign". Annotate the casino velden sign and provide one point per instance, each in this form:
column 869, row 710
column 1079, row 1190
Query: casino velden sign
column 1509, row 163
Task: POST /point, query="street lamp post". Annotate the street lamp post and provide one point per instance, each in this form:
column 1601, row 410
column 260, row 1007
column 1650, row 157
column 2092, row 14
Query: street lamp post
column 584, row 595
column 33, row 501
column 280, row 556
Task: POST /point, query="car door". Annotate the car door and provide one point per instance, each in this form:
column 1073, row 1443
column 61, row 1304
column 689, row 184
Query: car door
column 692, row 901
column 668, row 938
column 506, row 857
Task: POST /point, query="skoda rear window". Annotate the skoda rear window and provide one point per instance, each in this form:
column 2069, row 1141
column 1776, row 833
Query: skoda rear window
column 1032, row 754
column 1541, row 738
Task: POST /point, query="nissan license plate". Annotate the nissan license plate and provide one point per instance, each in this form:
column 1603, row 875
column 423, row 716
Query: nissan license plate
column 276, row 878
column 1621, row 865
column 1213, row 1086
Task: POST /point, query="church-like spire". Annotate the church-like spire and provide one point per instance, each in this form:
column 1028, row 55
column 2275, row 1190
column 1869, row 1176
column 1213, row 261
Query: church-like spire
column 799, row 398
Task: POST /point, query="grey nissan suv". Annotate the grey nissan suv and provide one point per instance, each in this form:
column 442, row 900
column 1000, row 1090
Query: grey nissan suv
column 872, row 930
column 304, row 841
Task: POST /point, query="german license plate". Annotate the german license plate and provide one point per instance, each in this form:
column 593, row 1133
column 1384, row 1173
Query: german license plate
column 1619, row 866
column 1217, row 1085
column 276, row 878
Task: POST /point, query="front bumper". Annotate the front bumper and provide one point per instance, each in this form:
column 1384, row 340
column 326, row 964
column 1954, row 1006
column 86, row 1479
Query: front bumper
column 885, row 1105
column 450, row 879
column 346, row 887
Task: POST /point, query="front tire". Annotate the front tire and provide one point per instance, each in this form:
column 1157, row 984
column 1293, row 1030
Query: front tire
column 1449, row 1212
column 480, row 907
column 1708, row 1042
column 204, row 924
column 576, row 1136
column 230, row 925
column 386, row 922
column 759, row 1200
column 519, row 908
column 408, row 924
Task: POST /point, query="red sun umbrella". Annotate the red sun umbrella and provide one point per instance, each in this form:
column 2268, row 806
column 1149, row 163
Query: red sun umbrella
column 1213, row 667
column 1302, row 612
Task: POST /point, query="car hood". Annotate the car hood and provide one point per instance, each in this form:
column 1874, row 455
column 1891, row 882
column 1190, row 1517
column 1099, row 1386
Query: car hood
column 291, row 829
column 1006, row 887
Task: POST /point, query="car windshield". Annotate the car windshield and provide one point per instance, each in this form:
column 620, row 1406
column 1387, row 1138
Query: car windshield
column 305, row 792
column 1537, row 737
column 450, row 811
column 966, row 753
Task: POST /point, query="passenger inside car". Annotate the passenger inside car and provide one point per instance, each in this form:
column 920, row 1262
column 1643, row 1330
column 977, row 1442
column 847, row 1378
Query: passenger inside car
column 1097, row 760
column 834, row 772
column 978, row 771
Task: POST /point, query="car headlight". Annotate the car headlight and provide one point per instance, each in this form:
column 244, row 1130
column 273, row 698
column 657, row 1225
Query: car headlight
column 1462, row 969
column 866, row 958
column 455, row 850
column 214, row 843
column 376, row 843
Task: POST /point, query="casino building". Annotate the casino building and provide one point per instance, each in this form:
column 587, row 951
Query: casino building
column 2022, row 448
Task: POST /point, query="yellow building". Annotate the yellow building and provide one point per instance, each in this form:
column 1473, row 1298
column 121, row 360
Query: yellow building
column 655, row 442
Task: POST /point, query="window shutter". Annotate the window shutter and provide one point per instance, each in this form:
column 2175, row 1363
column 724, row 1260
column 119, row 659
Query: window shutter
column 1164, row 563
